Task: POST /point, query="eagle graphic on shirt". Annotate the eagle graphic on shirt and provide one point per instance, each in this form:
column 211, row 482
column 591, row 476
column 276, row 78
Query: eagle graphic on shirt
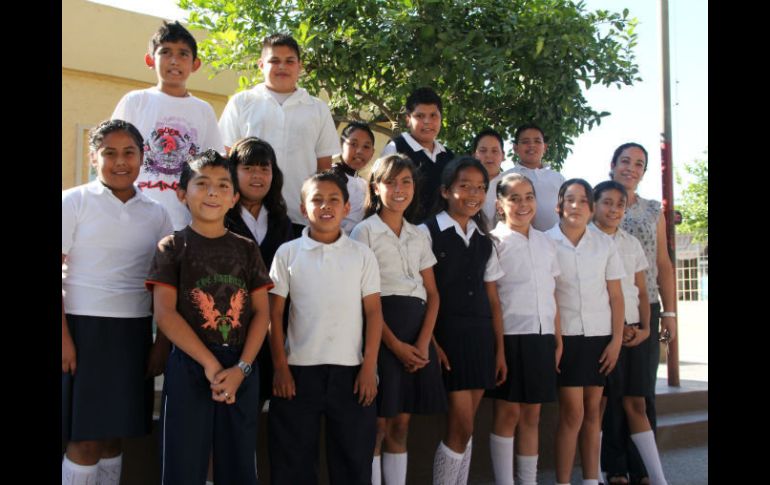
column 215, row 319
column 168, row 146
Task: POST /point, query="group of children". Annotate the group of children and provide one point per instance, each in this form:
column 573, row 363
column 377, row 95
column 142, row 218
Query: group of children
column 371, row 317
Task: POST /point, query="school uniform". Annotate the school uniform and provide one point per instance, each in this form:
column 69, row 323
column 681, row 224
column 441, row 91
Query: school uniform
column 300, row 129
column 429, row 167
column 466, row 260
column 630, row 377
column 109, row 246
column 269, row 233
column 528, row 303
column 214, row 279
column 581, row 292
column 324, row 343
column 403, row 296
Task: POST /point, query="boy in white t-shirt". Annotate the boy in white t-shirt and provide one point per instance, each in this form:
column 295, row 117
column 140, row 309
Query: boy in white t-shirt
column 175, row 124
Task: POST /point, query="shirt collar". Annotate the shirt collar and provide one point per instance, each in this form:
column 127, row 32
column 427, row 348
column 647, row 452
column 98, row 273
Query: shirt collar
column 445, row 221
column 98, row 188
column 378, row 226
column 415, row 145
column 503, row 230
column 309, row 243
column 299, row 96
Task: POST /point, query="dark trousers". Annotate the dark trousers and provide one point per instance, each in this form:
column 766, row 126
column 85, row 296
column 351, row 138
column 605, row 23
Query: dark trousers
column 294, row 428
column 619, row 454
column 192, row 424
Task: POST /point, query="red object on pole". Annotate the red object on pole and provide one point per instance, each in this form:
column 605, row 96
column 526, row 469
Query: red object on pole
column 667, row 173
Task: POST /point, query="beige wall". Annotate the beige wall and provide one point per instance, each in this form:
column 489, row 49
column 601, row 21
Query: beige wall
column 102, row 59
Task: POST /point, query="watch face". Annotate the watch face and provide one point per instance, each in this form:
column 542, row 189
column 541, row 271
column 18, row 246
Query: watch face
column 246, row 368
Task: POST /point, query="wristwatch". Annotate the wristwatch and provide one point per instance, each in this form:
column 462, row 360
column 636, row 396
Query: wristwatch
column 245, row 368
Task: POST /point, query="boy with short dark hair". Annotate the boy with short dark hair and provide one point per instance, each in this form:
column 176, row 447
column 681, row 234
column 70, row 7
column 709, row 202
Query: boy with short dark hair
column 210, row 296
column 530, row 144
column 334, row 284
column 175, row 124
column 297, row 125
column 423, row 118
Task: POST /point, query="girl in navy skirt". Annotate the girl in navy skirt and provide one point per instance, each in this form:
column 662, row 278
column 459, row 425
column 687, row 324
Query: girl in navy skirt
column 469, row 326
column 591, row 312
column 627, row 385
column 109, row 233
column 532, row 331
column 408, row 367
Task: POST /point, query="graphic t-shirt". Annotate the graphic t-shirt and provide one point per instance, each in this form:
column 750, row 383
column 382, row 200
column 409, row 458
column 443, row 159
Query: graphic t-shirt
column 214, row 279
column 174, row 130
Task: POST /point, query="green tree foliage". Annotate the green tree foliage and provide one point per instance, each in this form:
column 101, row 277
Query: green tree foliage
column 496, row 63
column 695, row 201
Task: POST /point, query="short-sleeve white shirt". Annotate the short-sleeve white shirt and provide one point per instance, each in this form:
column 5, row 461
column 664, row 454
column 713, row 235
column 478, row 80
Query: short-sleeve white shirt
column 109, row 247
column 528, row 287
column 401, row 258
column 547, row 184
column 634, row 260
column 326, row 283
column 492, row 271
column 581, row 288
column 390, row 148
column 174, row 129
column 357, row 188
column 301, row 130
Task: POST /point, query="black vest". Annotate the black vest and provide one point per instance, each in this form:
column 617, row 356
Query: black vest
column 460, row 271
column 429, row 174
column 278, row 232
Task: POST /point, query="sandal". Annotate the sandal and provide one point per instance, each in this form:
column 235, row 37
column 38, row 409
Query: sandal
column 617, row 479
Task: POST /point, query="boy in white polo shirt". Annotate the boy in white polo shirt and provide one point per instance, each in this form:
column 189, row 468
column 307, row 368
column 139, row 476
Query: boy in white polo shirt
column 297, row 125
column 334, row 283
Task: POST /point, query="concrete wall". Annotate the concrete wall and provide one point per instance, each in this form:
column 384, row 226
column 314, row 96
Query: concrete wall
column 102, row 59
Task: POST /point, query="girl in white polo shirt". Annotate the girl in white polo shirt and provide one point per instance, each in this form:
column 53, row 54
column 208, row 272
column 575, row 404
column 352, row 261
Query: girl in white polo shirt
column 627, row 386
column 408, row 367
column 590, row 302
column 532, row 333
column 109, row 233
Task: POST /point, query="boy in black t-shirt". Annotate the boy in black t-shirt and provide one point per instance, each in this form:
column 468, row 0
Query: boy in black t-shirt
column 210, row 296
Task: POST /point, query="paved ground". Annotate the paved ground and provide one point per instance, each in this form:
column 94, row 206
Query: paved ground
column 685, row 466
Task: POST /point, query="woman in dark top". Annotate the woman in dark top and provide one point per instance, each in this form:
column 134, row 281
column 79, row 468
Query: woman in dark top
column 260, row 215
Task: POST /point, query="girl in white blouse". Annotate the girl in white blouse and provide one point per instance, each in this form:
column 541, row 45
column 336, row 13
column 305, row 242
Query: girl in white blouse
column 408, row 366
column 591, row 309
column 531, row 328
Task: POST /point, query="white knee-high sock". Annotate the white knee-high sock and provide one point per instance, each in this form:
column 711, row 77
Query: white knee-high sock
column 376, row 471
column 590, row 481
column 446, row 465
column 74, row 474
column 394, row 468
column 526, row 469
column 501, row 451
column 109, row 470
column 648, row 450
column 465, row 466
column 599, row 461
